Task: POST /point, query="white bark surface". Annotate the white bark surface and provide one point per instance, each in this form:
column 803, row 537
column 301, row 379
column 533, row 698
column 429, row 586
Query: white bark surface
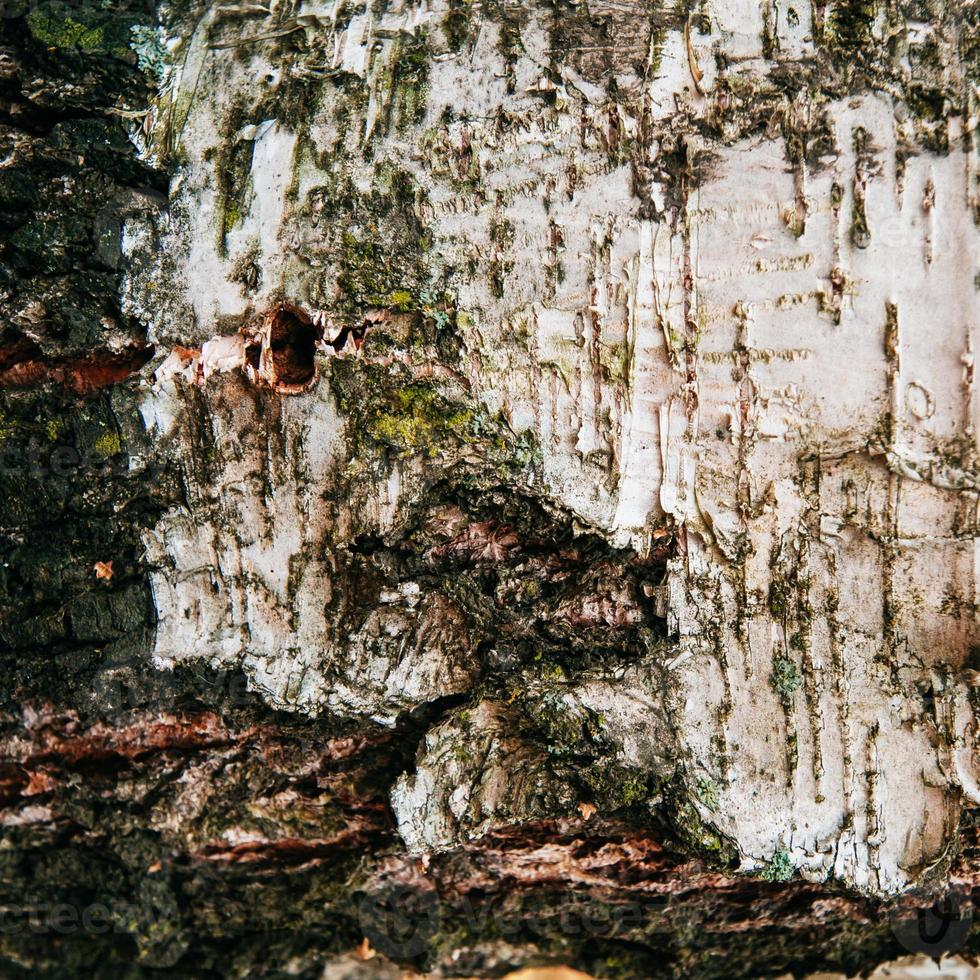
column 742, row 357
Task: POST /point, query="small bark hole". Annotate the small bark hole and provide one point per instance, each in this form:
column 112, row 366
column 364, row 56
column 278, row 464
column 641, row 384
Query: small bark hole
column 253, row 355
column 292, row 343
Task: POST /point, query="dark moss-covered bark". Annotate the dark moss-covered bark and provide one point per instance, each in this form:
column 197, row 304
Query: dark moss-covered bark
column 98, row 891
column 69, row 82
column 73, row 493
column 118, row 783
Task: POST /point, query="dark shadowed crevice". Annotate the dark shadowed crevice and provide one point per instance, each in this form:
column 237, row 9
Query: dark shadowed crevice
column 292, row 342
column 253, row 355
column 17, row 349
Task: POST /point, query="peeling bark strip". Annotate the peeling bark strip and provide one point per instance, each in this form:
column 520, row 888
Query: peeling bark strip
column 514, row 501
column 280, row 352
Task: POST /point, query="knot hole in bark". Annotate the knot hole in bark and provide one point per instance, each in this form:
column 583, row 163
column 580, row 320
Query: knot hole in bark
column 292, row 344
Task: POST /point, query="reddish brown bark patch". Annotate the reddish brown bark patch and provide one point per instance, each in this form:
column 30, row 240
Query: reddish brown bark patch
column 24, row 365
column 289, row 851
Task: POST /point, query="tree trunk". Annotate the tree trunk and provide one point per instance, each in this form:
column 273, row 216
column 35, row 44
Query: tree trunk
column 513, row 500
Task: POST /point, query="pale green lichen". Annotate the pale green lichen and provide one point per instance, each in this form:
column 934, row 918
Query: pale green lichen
column 147, row 42
column 779, row 867
column 709, row 792
column 785, row 678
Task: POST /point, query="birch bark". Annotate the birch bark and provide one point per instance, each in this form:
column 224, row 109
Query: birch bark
column 566, row 412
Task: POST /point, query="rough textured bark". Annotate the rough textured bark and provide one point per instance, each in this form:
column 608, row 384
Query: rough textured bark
column 498, row 481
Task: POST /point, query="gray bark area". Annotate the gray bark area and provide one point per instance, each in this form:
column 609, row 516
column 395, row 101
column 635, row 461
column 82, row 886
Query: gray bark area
column 487, row 486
